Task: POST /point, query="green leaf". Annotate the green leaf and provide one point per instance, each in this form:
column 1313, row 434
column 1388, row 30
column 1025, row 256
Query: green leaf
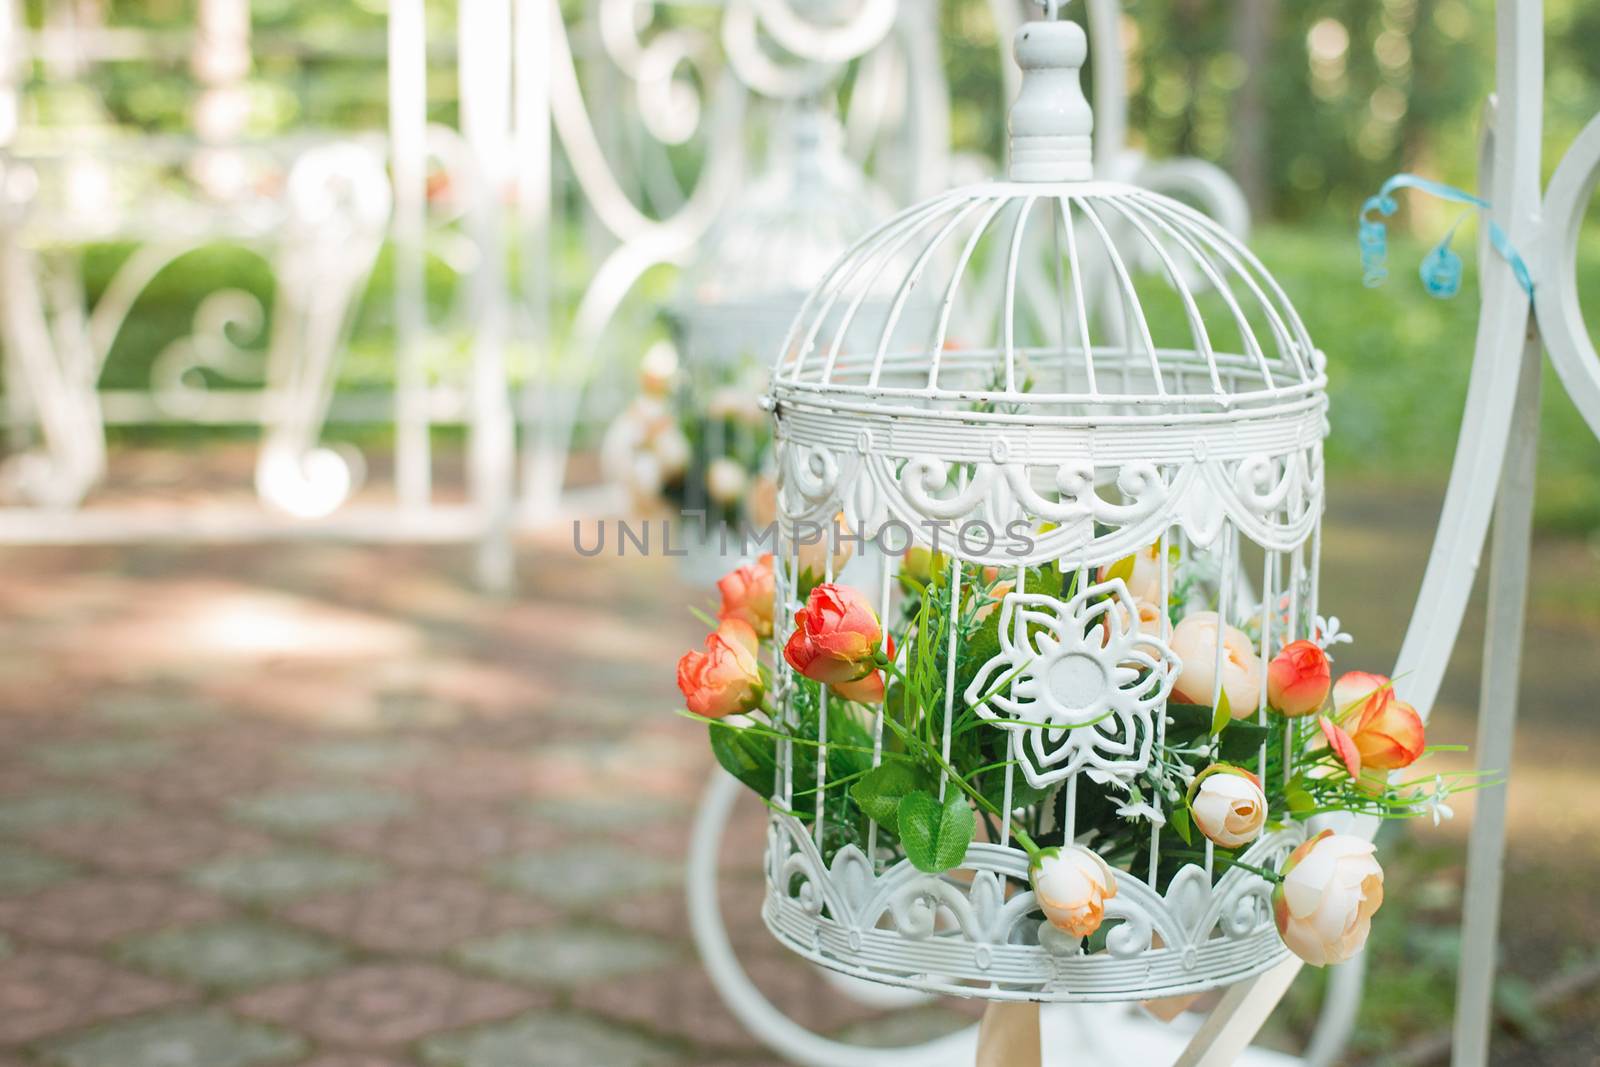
column 1187, row 723
column 1046, row 580
column 993, row 788
column 1242, row 743
column 1180, row 823
column 1298, row 799
column 879, row 792
column 1223, row 715
column 747, row 756
column 1122, row 568
column 935, row 835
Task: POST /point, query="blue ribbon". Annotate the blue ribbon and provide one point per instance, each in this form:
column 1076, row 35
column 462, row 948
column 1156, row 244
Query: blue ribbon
column 1441, row 267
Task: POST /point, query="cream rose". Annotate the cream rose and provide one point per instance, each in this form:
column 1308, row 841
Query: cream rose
column 1194, row 641
column 725, row 480
column 1072, row 886
column 1324, row 906
column 671, row 450
column 1228, row 805
column 1143, row 579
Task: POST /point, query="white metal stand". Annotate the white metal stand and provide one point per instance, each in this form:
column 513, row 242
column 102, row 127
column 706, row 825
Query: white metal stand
column 1497, row 448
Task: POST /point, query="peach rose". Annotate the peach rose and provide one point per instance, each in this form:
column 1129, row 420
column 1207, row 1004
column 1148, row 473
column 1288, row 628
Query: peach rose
column 1228, row 805
column 1298, row 679
column 763, row 501
column 1324, row 906
column 922, row 564
column 1072, row 885
column 1194, row 642
column 748, row 594
column 836, row 636
column 1149, row 617
column 725, row 679
column 1386, row 730
column 814, row 554
column 992, row 591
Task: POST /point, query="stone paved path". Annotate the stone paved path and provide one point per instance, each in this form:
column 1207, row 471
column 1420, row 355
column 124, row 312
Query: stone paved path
column 323, row 806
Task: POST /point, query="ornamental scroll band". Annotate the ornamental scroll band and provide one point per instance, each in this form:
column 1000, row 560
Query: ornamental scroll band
column 1009, row 940
column 1071, row 511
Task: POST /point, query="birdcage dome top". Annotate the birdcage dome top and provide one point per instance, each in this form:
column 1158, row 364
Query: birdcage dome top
column 780, row 235
column 1059, row 302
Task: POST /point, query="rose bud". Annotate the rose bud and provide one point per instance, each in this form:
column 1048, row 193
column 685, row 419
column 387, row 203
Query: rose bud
column 836, row 636
column 748, row 594
column 725, row 679
column 1324, row 906
column 1228, row 805
column 1194, row 642
column 1072, row 885
column 1298, row 679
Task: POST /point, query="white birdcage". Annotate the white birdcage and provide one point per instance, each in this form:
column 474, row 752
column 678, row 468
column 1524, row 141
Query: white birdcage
column 810, row 203
column 779, row 237
column 1148, row 388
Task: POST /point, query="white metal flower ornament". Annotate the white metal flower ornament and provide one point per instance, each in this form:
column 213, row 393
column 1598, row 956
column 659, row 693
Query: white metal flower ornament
column 1085, row 683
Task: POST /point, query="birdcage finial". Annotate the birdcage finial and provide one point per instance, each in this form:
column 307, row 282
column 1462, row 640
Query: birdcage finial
column 1051, row 122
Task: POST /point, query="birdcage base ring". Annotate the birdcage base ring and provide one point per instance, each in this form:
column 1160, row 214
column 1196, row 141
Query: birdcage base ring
column 977, row 933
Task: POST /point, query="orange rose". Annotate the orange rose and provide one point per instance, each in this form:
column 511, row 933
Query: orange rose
column 1386, row 730
column 1342, row 744
column 836, row 636
column 724, row 679
column 1298, row 679
column 1354, row 689
column 747, row 595
column 867, row 689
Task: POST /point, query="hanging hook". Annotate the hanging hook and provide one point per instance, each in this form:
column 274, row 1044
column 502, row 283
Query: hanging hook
column 1052, row 8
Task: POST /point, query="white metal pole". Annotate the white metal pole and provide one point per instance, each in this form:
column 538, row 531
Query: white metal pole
column 1486, row 430
column 408, row 126
column 534, row 192
column 221, row 61
column 10, row 70
column 1497, row 719
column 484, row 41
